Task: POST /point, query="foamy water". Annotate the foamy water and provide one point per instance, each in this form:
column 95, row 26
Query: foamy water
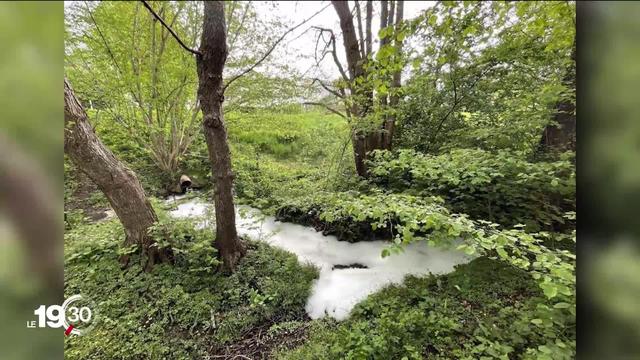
column 336, row 291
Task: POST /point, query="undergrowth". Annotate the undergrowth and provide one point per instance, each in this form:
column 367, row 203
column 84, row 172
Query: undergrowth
column 183, row 311
column 483, row 310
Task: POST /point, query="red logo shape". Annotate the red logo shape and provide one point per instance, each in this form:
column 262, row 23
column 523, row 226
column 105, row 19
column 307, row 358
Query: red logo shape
column 68, row 331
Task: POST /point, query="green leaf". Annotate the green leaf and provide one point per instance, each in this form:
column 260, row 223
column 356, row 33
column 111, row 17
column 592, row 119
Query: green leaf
column 550, row 290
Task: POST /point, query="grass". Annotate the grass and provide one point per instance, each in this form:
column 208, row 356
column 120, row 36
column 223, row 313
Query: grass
column 484, row 308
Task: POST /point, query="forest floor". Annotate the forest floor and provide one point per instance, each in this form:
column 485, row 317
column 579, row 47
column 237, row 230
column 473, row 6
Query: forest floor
column 189, row 311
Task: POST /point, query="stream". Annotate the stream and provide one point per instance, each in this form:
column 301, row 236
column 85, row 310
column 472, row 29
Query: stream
column 349, row 272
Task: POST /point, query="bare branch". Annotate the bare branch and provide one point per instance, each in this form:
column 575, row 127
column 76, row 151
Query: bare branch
column 250, row 68
column 173, row 33
column 326, row 87
column 235, row 36
column 334, row 53
column 326, row 107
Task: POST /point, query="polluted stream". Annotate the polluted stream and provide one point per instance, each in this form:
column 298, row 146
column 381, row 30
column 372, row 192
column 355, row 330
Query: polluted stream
column 349, row 272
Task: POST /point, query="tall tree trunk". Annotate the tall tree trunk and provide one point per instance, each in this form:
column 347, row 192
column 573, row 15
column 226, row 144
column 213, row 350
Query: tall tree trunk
column 118, row 183
column 355, row 67
column 369, row 38
column 561, row 135
column 389, row 125
column 213, row 49
column 365, row 141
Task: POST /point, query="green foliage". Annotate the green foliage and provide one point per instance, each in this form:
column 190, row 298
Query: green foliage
column 482, row 310
column 500, row 187
column 486, row 78
column 409, row 218
column 483, row 86
column 179, row 312
column 281, row 155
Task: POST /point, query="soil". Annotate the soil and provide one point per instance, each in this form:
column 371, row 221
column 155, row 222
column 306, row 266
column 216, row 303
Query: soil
column 259, row 343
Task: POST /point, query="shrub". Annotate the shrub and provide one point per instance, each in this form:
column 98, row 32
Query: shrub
column 500, row 187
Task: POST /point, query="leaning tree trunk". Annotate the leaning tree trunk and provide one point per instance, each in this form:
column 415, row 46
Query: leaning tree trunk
column 118, row 183
column 210, row 62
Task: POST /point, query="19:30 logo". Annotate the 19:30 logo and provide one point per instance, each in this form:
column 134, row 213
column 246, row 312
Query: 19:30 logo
column 74, row 315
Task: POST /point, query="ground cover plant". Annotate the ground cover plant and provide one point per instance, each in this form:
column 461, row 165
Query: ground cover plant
column 474, row 152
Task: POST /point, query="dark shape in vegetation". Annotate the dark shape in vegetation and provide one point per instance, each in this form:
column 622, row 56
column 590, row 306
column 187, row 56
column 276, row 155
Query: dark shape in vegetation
column 349, row 266
column 560, row 135
column 185, row 183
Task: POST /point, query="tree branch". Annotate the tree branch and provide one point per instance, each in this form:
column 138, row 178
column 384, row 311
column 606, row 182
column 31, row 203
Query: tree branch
column 237, row 32
column 363, row 50
column 326, row 107
column 326, row 87
column 270, row 49
column 334, row 53
column 173, row 33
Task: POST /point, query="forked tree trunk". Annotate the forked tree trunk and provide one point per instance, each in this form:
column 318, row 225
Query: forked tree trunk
column 365, row 141
column 213, row 49
column 118, row 183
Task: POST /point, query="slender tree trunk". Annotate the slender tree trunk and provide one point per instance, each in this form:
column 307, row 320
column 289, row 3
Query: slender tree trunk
column 389, row 125
column 369, row 38
column 118, row 183
column 355, row 67
column 213, row 47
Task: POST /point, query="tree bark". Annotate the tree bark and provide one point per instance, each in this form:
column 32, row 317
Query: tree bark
column 210, row 64
column 365, row 141
column 118, row 183
column 356, row 70
column 389, row 125
column 369, row 38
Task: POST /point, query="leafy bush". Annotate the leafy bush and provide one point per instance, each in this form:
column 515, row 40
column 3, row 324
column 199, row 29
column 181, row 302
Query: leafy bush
column 500, row 187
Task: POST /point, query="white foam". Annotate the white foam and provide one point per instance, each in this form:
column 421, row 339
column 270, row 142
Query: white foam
column 336, row 291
